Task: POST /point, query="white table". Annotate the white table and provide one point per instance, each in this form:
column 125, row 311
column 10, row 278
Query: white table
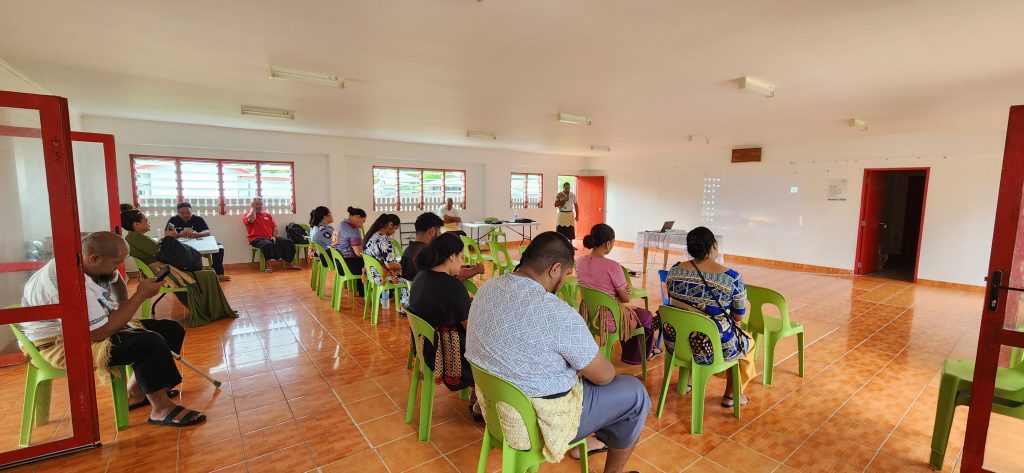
column 474, row 229
column 205, row 245
column 664, row 241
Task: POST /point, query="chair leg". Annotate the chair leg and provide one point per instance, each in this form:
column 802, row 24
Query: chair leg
column 508, row 458
column 700, row 383
column 670, row 363
column 584, row 458
column 313, row 274
column 119, row 393
column 426, row 409
column 28, row 406
column 464, row 394
column 643, row 354
column 336, row 294
column 944, row 412
column 43, row 391
column 770, row 340
column 485, row 449
column 737, row 390
column 800, row 351
column 414, row 382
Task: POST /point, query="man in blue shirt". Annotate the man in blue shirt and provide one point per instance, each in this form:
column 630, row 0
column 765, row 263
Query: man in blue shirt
column 193, row 226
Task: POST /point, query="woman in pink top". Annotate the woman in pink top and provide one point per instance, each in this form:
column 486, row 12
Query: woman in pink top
column 597, row 271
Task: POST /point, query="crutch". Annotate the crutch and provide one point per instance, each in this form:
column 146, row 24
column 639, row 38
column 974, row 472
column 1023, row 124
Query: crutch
column 197, row 370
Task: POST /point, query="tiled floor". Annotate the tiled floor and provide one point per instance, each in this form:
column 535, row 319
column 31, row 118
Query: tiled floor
column 307, row 388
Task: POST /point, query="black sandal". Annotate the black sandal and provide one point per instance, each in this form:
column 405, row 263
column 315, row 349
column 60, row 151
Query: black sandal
column 191, row 418
column 173, row 393
column 477, row 417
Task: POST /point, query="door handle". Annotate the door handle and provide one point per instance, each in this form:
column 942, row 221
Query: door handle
column 995, row 287
column 883, row 225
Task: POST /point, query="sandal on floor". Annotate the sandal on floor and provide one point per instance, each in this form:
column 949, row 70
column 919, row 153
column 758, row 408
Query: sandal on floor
column 728, row 402
column 476, row 417
column 191, row 418
column 173, row 393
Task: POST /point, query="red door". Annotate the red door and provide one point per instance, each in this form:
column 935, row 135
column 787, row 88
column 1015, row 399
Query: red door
column 871, row 223
column 590, row 197
column 38, row 187
column 1001, row 327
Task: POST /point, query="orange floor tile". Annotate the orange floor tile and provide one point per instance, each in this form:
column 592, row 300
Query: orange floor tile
column 309, row 389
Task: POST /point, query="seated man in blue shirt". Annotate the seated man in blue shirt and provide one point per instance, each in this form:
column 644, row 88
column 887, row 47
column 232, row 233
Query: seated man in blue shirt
column 193, row 226
column 521, row 332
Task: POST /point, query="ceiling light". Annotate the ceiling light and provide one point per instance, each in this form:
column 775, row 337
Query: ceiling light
column 859, row 124
column 268, row 112
column 490, row 135
column 759, row 86
column 703, row 138
column 313, row 77
column 605, row 148
column 574, row 119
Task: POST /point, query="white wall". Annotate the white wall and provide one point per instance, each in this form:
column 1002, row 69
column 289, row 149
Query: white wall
column 332, row 171
column 759, row 216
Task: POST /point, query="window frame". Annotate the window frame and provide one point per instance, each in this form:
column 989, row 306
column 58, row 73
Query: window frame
column 526, row 184
column 422, row 204
column 220, row 175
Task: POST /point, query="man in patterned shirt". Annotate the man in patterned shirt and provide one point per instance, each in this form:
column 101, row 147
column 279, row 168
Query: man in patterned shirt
column 521, row 332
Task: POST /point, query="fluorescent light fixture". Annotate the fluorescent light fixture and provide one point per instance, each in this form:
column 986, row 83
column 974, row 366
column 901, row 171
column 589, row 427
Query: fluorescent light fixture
column 605, row 148
column 490, row 135
column 859, row 124
column 703, row 138
column 268, row 112
column 312, row 77
column 756, row 85
column 574, row 119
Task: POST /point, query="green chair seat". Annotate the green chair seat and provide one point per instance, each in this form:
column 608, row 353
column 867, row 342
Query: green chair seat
column 768, row 331
column 146, row 310
column 595, row 300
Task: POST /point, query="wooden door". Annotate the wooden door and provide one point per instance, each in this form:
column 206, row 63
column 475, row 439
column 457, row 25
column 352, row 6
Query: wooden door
column 590, row 197
column 871, row 221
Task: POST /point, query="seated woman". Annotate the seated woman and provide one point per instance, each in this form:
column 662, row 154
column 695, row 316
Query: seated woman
column 440, row 299
column 205, row 298
column 350, row 243
column 321, row 231
column 382, row 249
column 703, row 286
column 597, row 271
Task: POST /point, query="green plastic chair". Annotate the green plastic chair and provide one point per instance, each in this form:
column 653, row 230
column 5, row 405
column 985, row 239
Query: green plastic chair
column 326, row 266
column 955, row 390
column 39, row 387
column 343, row 278
column 595, row 299
column 502, row 262
column 686, row 322
column 263, row 259
column 372, row 290
column 420, row 328
column 497, row 390
column 147, row 272
column 570, row 290
column 472, row 253
column 302, row 249
column 636, row 293
column 398, row 248
column 314, row 273
column 470, row 286
column 772, row 329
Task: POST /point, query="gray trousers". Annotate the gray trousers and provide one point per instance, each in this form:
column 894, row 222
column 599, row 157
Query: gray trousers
column 616, row 411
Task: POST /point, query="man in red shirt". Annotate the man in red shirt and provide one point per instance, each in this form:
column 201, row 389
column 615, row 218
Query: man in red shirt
column 261, row 231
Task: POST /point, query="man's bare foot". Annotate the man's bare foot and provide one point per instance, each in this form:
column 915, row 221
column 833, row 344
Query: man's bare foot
column 593, row 446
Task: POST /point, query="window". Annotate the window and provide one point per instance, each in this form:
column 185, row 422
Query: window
column 411, row 189
column 212, row 186
column 527, row 191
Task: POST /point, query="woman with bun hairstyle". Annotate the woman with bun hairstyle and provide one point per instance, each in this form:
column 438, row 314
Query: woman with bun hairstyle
column 703, row 286
column 321, row 231
column 597, row 271
column 349, row 242
column 439, row 298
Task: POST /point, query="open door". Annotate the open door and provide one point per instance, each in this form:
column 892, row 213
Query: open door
column 1001, row 328
column 871, row 222
column 38, row 188
column 590, row 198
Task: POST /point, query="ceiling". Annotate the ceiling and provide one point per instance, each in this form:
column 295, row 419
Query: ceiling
column 648, row 73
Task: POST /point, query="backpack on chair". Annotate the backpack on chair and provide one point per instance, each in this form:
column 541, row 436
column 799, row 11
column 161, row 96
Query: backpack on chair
column 296, row 234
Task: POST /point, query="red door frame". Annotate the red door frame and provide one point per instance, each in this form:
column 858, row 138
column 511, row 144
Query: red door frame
column 590, row 196
column 1006, row 257
column 863, row 209
column 67, row 248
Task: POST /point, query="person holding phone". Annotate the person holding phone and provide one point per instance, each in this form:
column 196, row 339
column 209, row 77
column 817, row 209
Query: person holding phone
column 117, row 339
column 188, row 225
column 568, row 212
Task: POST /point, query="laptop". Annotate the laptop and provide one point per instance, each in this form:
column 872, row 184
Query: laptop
column 667, row 226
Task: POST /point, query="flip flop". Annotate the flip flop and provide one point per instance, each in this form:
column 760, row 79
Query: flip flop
column 476, row 417
column 173, row 393
column 191, row 418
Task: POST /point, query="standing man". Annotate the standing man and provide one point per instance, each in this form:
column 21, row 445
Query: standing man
column 261, row 231
column 193, row 226
column 450, row 214
column 568, row 212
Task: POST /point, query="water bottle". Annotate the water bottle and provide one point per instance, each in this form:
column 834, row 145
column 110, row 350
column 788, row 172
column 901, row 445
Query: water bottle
column 385, row 299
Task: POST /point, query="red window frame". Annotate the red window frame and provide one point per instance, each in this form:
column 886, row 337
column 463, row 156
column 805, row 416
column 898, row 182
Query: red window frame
column 526, row 180
column 421, row 205
column 220, row 175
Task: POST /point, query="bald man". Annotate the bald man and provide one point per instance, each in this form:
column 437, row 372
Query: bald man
column 146, row 345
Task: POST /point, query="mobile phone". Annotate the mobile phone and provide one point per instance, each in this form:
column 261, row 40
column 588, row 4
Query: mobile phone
column 170, row 226
column 162, row 274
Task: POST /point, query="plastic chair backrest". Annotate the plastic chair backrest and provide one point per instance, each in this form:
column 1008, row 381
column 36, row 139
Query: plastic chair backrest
column 29, row 348
column 471, row 253
column 371, row 262
column 144, row 268
column 470, row 286
column 595, row 299
column 305, row 226
column 685, row 322
column 420, row 328
column 663, row 277
column 629, row 278
column 498, row 249
column 758, row 297
column 397, row 245
column 497, row 390
column 340, row 266
column 323, row 256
